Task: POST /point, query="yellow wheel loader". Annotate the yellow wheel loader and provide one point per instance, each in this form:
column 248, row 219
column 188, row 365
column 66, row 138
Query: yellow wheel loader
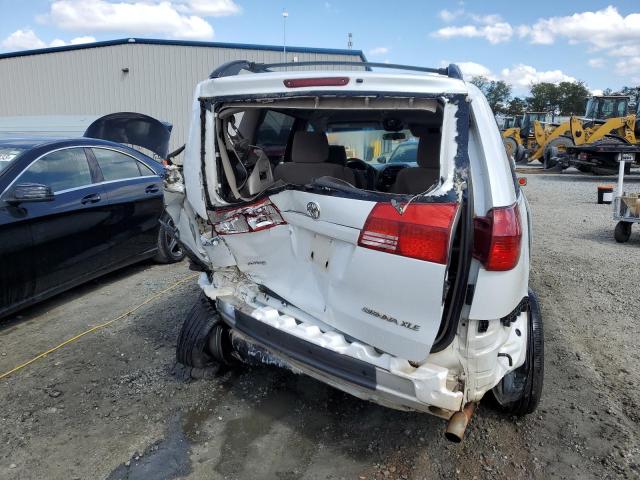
column 519, row 139
column 606, row 122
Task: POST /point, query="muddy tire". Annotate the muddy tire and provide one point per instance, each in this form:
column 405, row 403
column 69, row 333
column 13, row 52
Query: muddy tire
column 622, row 233
column 169, row 250
column 193, row 342
column 519, row 392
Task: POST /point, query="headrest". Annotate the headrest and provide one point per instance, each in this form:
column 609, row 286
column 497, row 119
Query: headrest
column 429, row 151
column 309, row 147
column 337, row 155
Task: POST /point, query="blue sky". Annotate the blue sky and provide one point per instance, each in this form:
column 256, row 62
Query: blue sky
column 594, row 41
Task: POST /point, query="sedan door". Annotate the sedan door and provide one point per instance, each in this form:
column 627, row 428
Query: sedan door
column 135, row 196
column 70, row 234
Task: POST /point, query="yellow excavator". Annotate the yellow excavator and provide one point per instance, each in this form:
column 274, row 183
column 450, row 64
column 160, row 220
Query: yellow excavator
column 606, row 122
column 518, row 134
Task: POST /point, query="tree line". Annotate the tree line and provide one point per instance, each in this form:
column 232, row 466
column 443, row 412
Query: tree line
column 564, row 98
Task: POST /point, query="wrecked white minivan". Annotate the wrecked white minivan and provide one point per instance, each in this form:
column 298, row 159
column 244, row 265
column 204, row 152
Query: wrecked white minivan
column 364, row 228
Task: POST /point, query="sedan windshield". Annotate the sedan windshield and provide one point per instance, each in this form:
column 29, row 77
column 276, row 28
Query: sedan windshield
column 8, row 154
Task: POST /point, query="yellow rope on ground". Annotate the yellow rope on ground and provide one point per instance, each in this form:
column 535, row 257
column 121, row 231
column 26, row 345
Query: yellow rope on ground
column 97, row 327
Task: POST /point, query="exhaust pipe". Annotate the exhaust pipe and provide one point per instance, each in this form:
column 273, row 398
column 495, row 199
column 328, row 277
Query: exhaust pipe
column 458, row 423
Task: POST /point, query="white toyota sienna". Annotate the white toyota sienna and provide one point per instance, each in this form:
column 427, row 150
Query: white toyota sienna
column 364, row 227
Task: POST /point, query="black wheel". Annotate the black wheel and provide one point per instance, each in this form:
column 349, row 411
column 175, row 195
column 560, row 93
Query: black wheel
column 554, row 147
column 169, row 250
column 521, row 156
column 622, row 232
column 519, row 392
column 193, row 342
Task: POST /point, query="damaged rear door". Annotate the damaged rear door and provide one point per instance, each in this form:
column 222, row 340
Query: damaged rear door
column 380, row 268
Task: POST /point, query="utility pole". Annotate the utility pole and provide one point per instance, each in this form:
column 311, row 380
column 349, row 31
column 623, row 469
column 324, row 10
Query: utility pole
column 284, row 35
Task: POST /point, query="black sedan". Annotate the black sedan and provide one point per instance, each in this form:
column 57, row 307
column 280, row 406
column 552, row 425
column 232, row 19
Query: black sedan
column 72, row 210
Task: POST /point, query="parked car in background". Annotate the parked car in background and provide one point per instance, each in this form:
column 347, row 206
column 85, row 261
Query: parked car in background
column 74, row 209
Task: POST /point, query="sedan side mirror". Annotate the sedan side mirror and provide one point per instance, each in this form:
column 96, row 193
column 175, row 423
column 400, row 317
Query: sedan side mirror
column 381, row 159
column 31, row 192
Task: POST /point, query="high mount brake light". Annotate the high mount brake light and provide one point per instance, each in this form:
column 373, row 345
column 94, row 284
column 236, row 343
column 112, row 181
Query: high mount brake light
column 422, row 232
column 497, row 238
column 316, row 82
column 252, row 218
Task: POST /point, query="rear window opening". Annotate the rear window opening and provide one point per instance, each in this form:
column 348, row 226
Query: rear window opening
column 388, row 146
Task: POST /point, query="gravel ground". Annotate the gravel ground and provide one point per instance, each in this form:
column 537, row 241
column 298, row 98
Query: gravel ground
column 114, row 404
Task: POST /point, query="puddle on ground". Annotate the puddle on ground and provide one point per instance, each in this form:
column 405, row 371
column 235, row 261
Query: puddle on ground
column 166, row 459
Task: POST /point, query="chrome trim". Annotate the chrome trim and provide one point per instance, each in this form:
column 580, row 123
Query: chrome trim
column 88, row 184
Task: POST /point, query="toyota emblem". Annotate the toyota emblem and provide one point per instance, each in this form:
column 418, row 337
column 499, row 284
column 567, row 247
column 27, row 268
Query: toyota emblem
column 313, row 209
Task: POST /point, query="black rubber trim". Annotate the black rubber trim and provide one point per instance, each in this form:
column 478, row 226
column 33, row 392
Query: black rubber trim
column 340, row 366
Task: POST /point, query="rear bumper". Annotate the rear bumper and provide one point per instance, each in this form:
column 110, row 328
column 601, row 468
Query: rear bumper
column 349, row 366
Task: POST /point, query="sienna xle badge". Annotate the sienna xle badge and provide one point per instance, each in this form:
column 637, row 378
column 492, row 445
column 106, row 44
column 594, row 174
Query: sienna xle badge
column 363, row 227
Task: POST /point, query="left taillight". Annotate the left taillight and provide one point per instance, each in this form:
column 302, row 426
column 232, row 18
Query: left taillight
column 252, row 218
column 497, row 238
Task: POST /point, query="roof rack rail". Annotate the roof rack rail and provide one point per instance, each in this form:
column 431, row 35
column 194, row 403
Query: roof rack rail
column 234, row 67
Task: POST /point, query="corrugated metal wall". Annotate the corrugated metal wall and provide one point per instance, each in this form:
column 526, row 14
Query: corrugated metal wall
column 90, row 81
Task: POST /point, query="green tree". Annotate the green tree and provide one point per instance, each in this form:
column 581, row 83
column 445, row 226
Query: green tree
column 497, row 92
column 516, row 106
column 544, row 97
column 573, row 97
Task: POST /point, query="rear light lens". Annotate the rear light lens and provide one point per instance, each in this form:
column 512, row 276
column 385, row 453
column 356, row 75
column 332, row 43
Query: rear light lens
column 316, row 82
column 253, row 218
column 497, row 238
column 422, row 232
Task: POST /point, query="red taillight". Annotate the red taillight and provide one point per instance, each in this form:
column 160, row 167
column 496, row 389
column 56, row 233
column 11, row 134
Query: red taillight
column 316, row 82
column 251, row 218
column 497, row 238
column 422, row 232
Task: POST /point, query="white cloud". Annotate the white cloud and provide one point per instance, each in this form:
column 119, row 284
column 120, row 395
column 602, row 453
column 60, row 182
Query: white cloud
column 597, row 92
column 602, row 29
column 522, row 75
column 628, row 66
column 28, row 40
column 496, row 33
column 213, row 8
column 379, row 51
column 596, row 62
column 450, row 15
column 136, row 17
column 22, row 40
column 486, row 19
column 473, row 69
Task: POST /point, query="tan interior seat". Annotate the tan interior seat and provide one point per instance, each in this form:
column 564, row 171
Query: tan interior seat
column 309, row 155
column 413, row 180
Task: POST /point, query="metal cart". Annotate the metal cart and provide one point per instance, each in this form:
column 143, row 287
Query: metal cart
column 626, row 205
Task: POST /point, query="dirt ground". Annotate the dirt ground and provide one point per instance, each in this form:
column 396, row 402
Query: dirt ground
column 114, row 405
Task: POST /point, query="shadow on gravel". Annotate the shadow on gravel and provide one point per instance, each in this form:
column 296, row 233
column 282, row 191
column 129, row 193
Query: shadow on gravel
column 41, row 308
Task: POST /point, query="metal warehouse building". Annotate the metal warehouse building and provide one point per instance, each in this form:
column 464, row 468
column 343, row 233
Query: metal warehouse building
column 61, row 90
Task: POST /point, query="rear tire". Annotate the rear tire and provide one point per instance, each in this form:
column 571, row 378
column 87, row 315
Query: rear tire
column 519, row 392
column 169, row 250
column 622, row 233
column 193, row 342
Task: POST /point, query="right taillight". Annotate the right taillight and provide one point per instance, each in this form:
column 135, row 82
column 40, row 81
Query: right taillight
column 497, row 238
column 423, row 231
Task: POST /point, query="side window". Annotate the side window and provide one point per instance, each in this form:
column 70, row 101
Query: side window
column 60, row 170
column 116, row 165
column 144, row 170
column 274, row 130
